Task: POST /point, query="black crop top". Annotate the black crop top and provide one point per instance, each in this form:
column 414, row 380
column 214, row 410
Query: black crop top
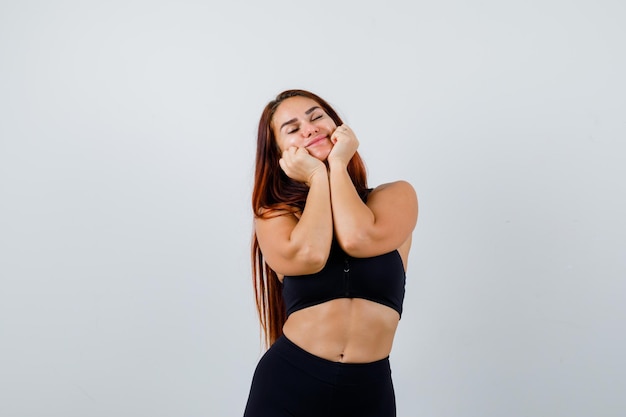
column 380, row 279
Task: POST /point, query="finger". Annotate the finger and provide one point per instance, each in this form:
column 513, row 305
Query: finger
column 302, row 150
column 288, row 154
column 343, row 129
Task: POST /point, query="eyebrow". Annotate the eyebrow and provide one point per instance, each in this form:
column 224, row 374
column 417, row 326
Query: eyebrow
column 295, row 119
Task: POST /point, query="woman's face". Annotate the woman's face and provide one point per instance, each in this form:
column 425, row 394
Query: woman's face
column 301, row 122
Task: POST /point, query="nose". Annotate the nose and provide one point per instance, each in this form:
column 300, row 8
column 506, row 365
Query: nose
column 309, row 129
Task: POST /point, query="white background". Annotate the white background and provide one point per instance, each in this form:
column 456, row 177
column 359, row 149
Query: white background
column 127, row 136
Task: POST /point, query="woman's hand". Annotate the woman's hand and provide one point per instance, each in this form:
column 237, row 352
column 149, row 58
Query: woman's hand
column 299, row 165
column 345, row 145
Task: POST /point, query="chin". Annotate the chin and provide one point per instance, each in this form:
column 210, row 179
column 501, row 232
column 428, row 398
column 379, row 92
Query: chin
column 322, row 156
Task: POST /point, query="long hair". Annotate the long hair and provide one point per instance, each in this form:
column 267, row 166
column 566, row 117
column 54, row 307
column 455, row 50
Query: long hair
column 275, row 194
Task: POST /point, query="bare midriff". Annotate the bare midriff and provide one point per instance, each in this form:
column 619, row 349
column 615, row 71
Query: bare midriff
column 349, row 330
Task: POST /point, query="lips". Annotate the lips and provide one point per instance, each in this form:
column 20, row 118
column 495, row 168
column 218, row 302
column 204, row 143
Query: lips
column 315, row 140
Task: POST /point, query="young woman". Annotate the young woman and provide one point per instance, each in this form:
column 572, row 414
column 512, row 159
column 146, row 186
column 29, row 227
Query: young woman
column 329, row 261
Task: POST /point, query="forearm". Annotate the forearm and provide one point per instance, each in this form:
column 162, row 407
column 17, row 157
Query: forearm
column 312, row 236
column 352, row 219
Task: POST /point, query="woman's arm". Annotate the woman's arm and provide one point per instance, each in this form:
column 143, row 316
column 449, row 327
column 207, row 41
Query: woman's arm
column 381, row 225
column 293, row 246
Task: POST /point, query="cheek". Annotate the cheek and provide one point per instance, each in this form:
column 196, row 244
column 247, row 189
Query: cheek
column 283, row 143
column 331, row 125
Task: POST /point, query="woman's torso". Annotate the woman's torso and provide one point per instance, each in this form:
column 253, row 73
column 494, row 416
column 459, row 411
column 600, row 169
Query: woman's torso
column 351, row 330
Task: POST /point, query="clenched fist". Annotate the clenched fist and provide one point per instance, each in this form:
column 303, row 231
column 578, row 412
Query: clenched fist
column 345, row 145
column 299, row 165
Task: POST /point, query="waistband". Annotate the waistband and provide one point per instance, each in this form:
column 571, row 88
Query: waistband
column 332, row 372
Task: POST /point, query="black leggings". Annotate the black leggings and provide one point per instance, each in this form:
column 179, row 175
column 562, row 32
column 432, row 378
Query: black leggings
column 291, row 382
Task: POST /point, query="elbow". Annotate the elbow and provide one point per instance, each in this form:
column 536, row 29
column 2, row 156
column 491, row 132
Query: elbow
column 314, row 259
column 353, row 245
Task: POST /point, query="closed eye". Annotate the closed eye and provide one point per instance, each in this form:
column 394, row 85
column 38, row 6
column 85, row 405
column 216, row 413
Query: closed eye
column 295, row 129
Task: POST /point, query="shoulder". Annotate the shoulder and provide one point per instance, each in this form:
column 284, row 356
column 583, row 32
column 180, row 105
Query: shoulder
column 394, row 201
column 396, row 189
column 265, row 213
